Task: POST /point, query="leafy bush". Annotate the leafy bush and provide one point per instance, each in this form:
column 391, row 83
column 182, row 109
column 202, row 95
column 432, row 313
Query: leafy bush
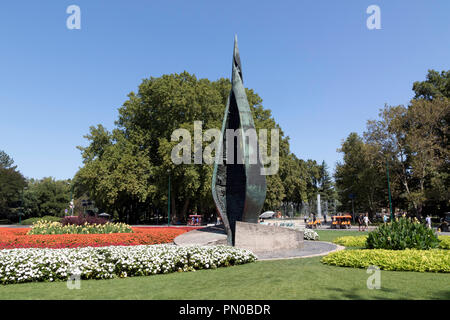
column 434, row 260
column 35, row 264
column 351, row 241
column 444, row 242
column 47, row 227
column 30, row 221
column 402, row 234
column 360, row 241
column 81, row 220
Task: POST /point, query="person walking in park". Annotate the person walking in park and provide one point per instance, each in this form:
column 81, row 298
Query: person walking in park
column 428, row 220
column 385, row 218
column 366, row 221
column 360, row 222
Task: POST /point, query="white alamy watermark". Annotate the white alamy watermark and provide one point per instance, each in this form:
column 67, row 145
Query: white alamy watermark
column 74, row 280
column 74, row 20
column 236, row 142
column 374, row 281
column 374, row 20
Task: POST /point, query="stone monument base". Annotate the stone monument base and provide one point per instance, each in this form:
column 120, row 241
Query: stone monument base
column 263, row 238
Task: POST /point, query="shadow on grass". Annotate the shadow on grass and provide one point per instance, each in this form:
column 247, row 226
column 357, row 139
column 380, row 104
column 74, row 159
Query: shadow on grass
column 442, row 295
column 353, row 294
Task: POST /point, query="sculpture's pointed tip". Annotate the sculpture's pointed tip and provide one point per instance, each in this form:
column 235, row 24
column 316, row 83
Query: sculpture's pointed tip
column 236, row 58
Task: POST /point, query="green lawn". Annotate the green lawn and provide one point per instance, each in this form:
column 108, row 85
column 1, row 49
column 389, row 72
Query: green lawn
column 330, row 235
column 283, row 279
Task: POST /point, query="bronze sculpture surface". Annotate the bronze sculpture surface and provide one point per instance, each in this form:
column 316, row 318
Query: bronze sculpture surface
column 238, row 184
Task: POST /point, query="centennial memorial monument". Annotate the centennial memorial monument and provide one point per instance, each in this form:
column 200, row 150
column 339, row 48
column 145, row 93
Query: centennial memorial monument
column 238, row 185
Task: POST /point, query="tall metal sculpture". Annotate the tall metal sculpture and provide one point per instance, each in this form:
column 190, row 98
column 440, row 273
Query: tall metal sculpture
column 238, row 187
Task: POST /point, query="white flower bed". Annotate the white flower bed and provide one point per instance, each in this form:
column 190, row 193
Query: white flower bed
column 309, row 234
column 39, row 264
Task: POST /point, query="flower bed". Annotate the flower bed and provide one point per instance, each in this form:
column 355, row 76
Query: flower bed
column 36, row 264
column 30, row 221
column 47, row 227
column 434, row 260
column 309, row 234
column 17, row 238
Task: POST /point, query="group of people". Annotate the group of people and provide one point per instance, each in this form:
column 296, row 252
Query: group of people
column 315, row 222
column 363, row 222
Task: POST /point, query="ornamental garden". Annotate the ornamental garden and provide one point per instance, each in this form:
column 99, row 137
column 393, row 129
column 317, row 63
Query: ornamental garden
column 402, row 245
column 128, row 175
column 57, row 252
column 51, row 251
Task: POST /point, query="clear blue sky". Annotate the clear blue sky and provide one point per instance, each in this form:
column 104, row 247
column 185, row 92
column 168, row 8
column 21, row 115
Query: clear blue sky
column 314, row 63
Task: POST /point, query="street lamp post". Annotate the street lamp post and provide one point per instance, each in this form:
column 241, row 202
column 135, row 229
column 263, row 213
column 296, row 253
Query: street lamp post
column 389, row 190
column 168, row 202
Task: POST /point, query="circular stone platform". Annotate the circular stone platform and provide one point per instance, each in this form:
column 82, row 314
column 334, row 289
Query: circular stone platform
column 215, row 235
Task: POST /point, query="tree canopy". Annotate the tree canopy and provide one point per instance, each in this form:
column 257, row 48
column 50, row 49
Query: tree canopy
column 413, row 141
column 12, row 183
column 126, row 171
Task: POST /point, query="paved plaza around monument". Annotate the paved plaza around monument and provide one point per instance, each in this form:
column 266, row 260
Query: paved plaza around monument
column 215, row 235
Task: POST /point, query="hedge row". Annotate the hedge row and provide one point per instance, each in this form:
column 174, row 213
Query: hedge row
column 434, row 260
column 360, row 241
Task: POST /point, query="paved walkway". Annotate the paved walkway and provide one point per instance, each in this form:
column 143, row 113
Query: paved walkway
column 310, row 249
column 216, row 236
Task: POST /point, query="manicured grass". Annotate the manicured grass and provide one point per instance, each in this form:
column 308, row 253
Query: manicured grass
column 330, row 235
column 282, row 279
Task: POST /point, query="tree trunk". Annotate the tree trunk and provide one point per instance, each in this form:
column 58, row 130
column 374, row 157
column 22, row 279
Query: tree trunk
column 173, row 211
column 185, row 208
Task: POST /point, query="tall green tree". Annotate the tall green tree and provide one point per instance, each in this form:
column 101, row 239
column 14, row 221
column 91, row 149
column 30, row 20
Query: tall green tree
column 325, row 183
column 46, row 196
column 127, row 170
column 413, row 140
column 12, row 183
column 5, row 160
column 359, row 177
column 437, row 85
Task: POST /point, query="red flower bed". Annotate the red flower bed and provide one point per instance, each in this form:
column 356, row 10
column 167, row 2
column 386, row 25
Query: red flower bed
column 17, row 238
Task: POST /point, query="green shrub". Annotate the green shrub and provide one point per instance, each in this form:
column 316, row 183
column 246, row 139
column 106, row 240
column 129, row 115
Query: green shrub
column 434, row 260
column 444, row 242
column 360, row 241
column 351, row 241
column 30, row 221
column 402, row 234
